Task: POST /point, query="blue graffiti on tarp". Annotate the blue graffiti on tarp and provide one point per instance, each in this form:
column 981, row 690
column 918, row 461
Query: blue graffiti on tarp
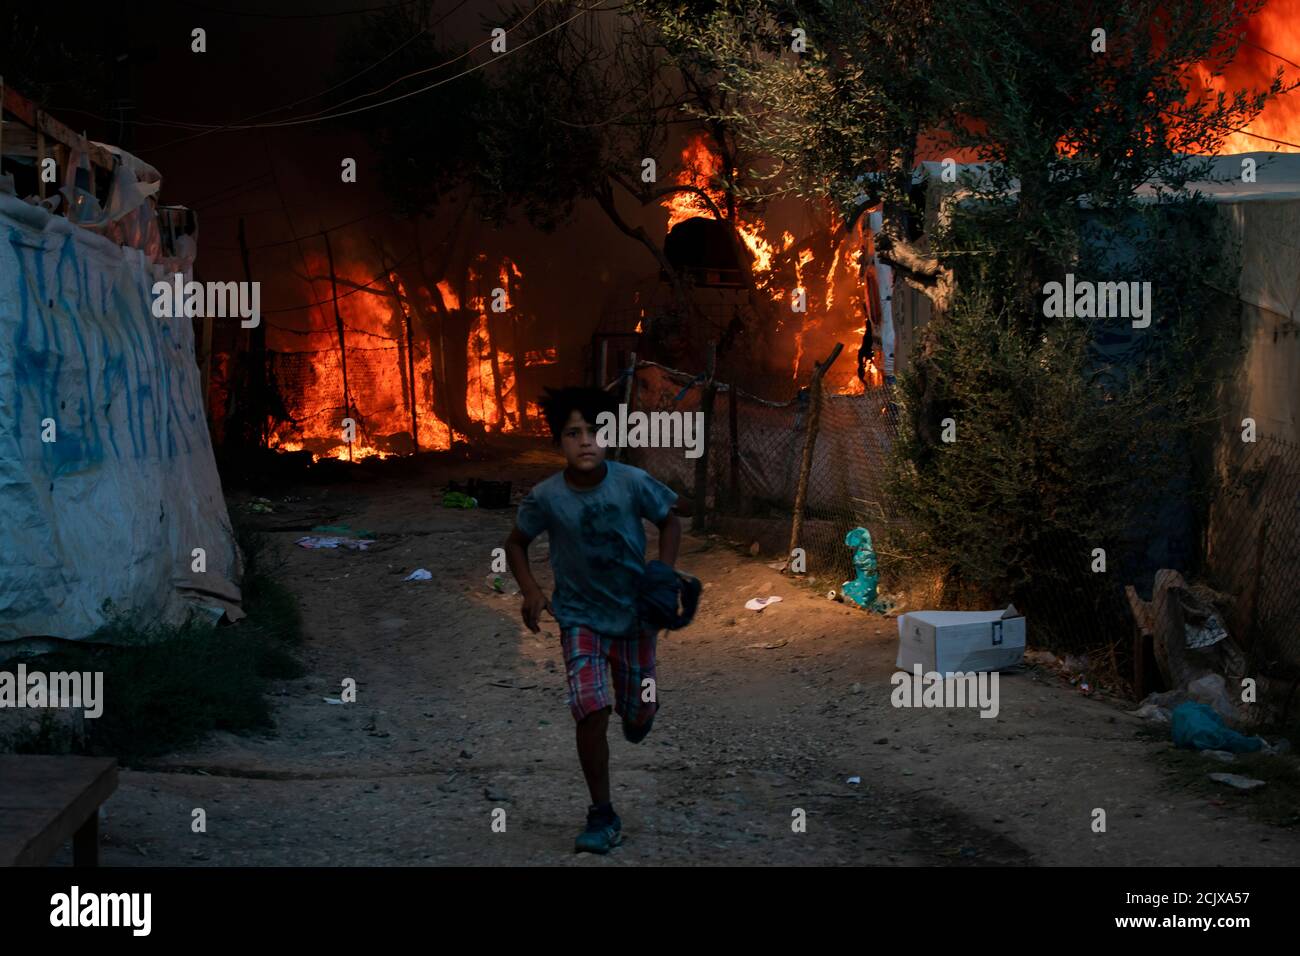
column 88, row 353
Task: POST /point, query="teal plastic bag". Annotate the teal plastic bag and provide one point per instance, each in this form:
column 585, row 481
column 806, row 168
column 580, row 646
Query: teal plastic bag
column 1198, row 727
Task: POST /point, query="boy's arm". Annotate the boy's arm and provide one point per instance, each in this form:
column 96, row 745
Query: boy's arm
column 517, row 557
column 670, row 538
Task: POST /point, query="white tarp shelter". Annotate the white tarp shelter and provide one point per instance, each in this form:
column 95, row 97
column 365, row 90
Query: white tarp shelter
column 105, row 518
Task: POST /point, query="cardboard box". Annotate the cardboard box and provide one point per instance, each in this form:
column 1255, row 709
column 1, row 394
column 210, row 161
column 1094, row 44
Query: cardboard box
column 950, row 641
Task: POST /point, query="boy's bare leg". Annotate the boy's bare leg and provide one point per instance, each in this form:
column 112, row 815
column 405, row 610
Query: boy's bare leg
column 593, row 753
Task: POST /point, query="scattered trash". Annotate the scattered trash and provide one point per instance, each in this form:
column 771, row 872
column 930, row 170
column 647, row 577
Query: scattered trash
column 484, row 493
column 1222, row 756
column 889, row 603
column 331, row 700
column 260, row 506
column 343, row 530
column 769, row 647
column 502, row 584
column 1236, row 780
column 757, row 604
column 1212, row 690
column 1084, row 687
column 833, row 595
column 456, row 499
column 1198, row 727
column 419, row 574
column 778, row 565
column 1205, row 636
column 854, row 780
column 1152, row 712
column 862, row 589
column 312, row 542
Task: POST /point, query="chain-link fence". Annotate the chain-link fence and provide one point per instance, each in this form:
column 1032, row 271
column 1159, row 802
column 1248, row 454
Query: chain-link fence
column 1253, row 551
column 755, row 451
column 754, row 456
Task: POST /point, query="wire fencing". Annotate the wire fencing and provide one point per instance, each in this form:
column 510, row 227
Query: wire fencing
column 755, row 449
column 1253, row 551
column 753, row 457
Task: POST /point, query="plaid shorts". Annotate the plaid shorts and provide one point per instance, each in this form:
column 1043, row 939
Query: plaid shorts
column 589, row 658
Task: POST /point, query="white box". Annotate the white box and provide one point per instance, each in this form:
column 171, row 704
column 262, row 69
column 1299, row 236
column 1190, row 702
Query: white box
column 950, row 641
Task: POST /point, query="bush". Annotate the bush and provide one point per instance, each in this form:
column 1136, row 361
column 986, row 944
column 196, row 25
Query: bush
column 1061, row 447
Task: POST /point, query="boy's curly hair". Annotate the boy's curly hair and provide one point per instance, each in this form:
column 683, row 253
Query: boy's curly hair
column 559, row 403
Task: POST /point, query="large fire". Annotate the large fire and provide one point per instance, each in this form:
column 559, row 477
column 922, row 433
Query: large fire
column 1270, row 40
column 394, row 332
column 814, row 282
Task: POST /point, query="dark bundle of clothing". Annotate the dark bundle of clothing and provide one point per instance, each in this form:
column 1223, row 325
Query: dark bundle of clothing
column 666, row 598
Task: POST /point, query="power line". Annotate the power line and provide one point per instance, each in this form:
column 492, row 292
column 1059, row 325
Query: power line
column 425, row 89
column 1271, row 53
column 300, row 16
column 431, row 69
column 311, row 235
column 319, row 117
column 343, row 295
column 235, row 188
column 391, row 53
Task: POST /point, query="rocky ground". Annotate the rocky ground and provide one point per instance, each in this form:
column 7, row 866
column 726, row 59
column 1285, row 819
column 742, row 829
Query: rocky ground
column 460, row 711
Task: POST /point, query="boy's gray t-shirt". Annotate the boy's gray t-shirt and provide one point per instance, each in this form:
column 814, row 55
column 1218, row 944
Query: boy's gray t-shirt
column 597, row 543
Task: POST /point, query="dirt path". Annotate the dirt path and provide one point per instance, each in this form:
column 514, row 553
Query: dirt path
column 460, row 710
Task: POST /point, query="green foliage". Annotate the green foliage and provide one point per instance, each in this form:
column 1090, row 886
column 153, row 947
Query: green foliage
column 1071, row 434
column 837, row 121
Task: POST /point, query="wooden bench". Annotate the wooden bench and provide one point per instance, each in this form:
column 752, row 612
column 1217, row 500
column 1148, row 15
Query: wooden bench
column 44, row 801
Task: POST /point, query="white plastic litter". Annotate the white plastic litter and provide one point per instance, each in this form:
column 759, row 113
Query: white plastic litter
column 331, row 700
column 420, row 574
column 1237, row 780
column 757, row 604
column 854, row 780
column 313, row 543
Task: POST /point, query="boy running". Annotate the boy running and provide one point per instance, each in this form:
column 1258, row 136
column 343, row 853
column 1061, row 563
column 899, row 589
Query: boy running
column 592, row 512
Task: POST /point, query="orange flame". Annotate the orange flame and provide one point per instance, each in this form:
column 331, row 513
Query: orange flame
column 1271, row 39
column 386, row 385
column 701, row 169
